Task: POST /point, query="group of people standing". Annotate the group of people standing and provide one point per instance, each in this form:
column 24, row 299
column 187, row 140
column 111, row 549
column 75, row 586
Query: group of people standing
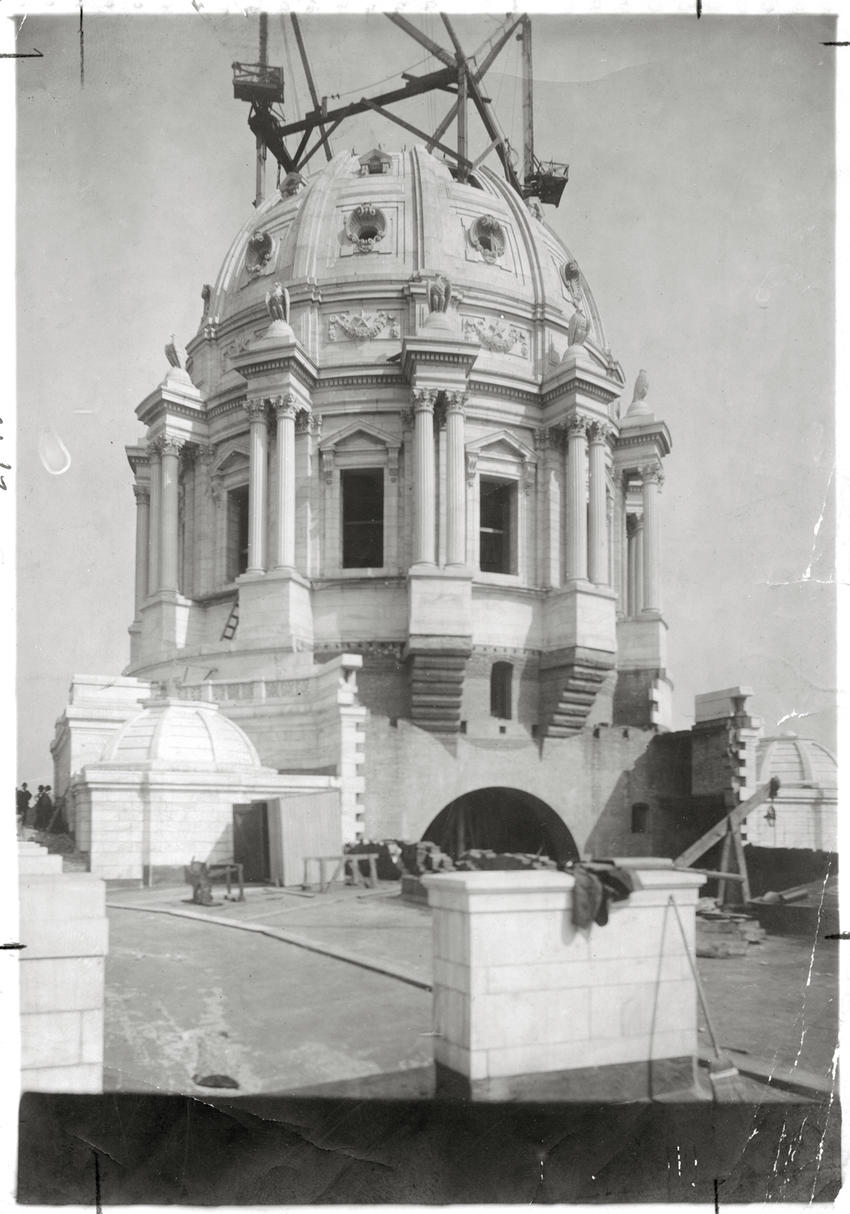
column 40, row 812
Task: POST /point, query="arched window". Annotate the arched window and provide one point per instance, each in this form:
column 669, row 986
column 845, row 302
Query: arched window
column 501, row 679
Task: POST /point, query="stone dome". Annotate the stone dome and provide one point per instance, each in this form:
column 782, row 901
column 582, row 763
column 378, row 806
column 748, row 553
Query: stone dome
column 796, row 761
column 358, row 237
column 181, row 733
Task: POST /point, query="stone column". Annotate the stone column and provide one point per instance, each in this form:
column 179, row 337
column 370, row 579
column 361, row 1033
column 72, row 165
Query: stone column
column 455, row 480
column 170, row 461
column 598, row 520
column 202, row 554
column 285, row 410
column 143, row 503
column 154, row 517
column 423, row 407
column 257, row 486
column 652, row 478
column 632, row 566
column 576, row 499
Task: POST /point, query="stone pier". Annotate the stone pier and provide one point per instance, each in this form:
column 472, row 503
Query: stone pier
column 527, row 1005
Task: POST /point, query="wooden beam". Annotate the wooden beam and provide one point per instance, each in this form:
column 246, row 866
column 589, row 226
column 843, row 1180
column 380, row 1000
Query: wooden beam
column 325, row 137
column 410, row 29
column 738, row 844
column 412, row 89
column 490, row 58
column 408, row 126
column 716, row 833
column 305, row 63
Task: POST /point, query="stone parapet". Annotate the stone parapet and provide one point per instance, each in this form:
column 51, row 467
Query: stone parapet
column 519, row 990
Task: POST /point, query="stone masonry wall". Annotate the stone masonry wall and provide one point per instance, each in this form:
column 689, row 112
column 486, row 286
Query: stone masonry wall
column 63, row 925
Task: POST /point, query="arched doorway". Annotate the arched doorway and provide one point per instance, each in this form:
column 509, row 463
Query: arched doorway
column 504, row 820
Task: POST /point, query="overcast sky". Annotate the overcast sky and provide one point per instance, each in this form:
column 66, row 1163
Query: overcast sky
column 700, row 207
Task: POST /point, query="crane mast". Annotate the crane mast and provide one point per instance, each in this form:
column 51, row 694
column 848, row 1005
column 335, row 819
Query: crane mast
column 460, row 76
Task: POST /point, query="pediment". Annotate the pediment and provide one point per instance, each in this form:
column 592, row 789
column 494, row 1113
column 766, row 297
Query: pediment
column 236, row 458
column 502, row 445
column 360, row 436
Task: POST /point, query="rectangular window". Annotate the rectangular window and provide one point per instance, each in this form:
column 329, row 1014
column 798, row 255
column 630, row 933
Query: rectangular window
column 640, row 818
column 497, row 527
column 237, row 532
column 362, row 518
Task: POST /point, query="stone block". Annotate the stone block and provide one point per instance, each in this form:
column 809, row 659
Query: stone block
column 50, row 1039
column 84, row 1078
column 472, row 1063
column 641, row 1008
column 451, row 1014
column 529, row 1016
column 91, row 1035
column 62, row 897
column 61, row 984
column 44, row 862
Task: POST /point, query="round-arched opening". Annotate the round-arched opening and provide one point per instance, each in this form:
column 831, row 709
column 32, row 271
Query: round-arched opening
column 503, row 820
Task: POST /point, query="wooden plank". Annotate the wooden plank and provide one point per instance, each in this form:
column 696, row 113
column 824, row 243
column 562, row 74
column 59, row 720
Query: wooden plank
column 738, row 844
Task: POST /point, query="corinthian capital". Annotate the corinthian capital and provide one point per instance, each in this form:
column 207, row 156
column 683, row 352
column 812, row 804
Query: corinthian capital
column 424, row 400
column 652, row 474
column 577, row 424
column 142, row 493
column 166, row 444
column 255, row 407
column 285, row 406
column 456, row 402
column 599, row 432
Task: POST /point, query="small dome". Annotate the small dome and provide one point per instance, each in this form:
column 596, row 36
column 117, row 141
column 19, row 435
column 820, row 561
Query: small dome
column 796, row 761
column 181, row 733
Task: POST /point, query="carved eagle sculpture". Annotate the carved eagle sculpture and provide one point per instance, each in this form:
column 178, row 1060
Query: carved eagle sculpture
column 641, row 386
column 277, row 302
column 439, row 293
column 579, row 328
column 171, row 353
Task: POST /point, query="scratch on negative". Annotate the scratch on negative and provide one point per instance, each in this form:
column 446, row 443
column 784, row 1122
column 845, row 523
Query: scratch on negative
column 807, row 573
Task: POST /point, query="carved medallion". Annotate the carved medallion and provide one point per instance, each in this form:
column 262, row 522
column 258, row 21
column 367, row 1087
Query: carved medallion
column 261, row 247
column 365, row 227
column 487, row 237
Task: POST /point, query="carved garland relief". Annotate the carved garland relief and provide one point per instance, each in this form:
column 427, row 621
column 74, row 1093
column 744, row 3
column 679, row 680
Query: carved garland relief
column 498, row 335
column 363, row 326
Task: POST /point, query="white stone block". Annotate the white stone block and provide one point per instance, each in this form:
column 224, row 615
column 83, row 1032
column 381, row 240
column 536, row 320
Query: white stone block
column 554, row 976
column 533, row 1016
column 63, row 897
column 84, row 1077
column 50, row 1039
column 61, row 984
column 29, row 863
column 451, row 1015
column 91, row 1035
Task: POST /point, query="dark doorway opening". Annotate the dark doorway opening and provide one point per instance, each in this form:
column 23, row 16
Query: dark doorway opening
column 251, row 840
column 503, row 820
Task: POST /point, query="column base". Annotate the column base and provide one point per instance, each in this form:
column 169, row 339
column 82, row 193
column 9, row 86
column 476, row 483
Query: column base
column 277, row 609
column 164, row 626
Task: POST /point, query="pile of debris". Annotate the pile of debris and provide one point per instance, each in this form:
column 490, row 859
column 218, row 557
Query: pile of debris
column 721, row 933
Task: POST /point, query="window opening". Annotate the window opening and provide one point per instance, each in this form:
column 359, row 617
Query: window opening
column 497, row 527
column 501, row 680
column 640, row 818
column 362, row 518
column 237, row 532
